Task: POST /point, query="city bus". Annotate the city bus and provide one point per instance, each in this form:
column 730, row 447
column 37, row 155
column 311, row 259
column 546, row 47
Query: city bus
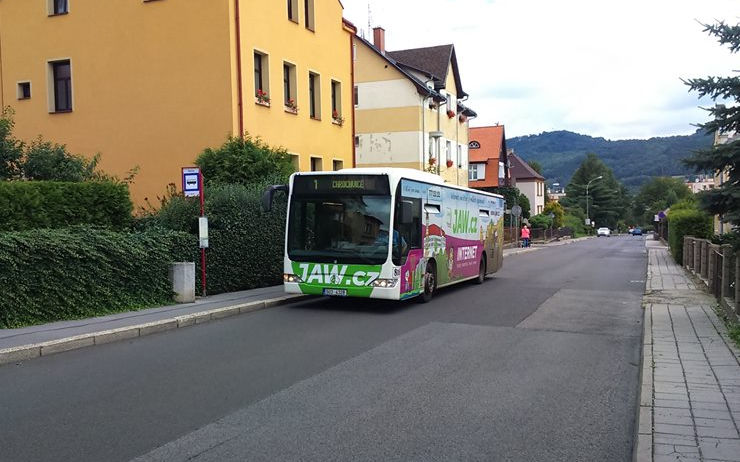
column 387, row 233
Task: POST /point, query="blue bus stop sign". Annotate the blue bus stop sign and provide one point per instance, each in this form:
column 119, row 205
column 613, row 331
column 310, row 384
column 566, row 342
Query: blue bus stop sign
column 191, row 181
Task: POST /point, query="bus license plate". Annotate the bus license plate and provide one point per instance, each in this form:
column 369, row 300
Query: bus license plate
column 335, row 292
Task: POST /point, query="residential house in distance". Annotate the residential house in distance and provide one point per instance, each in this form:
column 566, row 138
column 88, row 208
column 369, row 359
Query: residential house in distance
column 700, row 183
column 153, row 83
column 409, row 109
column 529, row 182
column 488, row 164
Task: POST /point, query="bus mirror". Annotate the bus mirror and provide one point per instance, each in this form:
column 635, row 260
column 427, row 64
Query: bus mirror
column 407, row 212
column 269, row 193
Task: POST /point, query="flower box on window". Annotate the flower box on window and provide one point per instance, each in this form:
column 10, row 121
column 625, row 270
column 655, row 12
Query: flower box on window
column 336, row 118
column 450, row 113
column 291, row 106
column 262, row 98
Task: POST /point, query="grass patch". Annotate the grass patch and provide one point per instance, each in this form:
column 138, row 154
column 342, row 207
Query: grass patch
column 733, row 327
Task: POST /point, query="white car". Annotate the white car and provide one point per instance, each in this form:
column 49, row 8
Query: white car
column 603, row 232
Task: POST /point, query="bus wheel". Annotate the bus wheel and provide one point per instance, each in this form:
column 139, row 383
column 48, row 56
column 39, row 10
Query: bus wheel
column 430, row 283
column 481, row 272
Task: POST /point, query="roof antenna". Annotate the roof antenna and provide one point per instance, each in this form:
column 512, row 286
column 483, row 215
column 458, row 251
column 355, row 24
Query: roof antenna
column 369, row 19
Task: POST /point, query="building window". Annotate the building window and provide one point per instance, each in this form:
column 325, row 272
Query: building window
column 261, row 77
column 337, row 165
column 448, row 156
column 356, row 95
column 308, row 14
column 336, row 99
column 61, row 72
column 293, row 10
column 295, row 161
column 314, row 95
column 357, row 141
column 24, row 90
column 57, row 7
column 316, row 164
column 476, row 172
column 289, row 87
column 459, row 155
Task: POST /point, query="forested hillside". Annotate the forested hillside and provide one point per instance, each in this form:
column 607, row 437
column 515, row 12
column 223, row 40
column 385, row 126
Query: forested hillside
column 633, row 161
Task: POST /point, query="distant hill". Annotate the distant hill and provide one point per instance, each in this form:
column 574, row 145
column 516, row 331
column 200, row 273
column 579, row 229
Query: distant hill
column 633, row 161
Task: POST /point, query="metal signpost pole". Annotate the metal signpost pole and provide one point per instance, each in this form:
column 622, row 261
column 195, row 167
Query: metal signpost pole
column 202, row 248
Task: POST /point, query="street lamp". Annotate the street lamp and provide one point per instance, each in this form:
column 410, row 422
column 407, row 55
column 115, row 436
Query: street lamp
column 587, row 185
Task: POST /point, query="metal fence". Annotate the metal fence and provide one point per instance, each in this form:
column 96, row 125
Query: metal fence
column 717, row 267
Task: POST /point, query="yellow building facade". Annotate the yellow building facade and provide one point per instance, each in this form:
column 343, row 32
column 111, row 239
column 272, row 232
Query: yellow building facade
column 150, row 84
column 408, row 116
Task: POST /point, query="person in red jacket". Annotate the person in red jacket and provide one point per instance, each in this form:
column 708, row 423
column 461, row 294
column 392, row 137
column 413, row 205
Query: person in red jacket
column 525, row 236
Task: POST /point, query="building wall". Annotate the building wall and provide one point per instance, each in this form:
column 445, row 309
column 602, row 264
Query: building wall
column 150, row 81
column 393, row 121
column 325, row 51
column 536, row 196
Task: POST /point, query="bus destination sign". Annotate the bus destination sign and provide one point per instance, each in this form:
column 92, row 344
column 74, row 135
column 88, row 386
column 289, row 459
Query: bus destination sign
column 342, row 184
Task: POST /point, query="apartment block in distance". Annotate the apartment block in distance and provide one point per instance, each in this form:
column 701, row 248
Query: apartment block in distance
column 151, row 83
column 409, row 109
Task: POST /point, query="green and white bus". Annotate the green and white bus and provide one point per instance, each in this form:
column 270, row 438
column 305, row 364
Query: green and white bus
column 386, row 233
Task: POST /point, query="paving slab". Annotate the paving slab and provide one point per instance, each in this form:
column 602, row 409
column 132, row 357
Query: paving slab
column 692, row 384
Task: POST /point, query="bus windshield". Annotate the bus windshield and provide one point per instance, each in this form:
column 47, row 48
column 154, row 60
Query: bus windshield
column 341, row 229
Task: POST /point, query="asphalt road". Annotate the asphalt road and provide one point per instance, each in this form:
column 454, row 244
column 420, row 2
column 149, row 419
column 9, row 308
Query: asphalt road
column 541, row 362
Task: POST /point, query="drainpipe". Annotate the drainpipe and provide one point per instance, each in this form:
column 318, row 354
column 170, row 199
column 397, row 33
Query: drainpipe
column 2, row 95
column 424, row 124
column 352, row 100
column 240, row 96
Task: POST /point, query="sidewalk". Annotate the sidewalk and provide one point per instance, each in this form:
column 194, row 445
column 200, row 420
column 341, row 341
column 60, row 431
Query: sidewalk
column 690, row 391
column 42, row 340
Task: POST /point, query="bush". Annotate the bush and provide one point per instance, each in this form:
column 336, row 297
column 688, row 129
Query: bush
column 540, row 221
column 47, row 204
column 686, row 222
column 244, row 160
column 79, row 272
column 245, row 244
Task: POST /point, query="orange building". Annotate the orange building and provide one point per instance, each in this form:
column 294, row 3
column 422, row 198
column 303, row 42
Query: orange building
column 488, row 164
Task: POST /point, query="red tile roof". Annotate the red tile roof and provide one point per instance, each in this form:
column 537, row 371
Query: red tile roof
column 492, row 142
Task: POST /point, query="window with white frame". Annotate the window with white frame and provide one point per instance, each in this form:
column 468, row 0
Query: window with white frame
column 476, row 172
column 448, row 157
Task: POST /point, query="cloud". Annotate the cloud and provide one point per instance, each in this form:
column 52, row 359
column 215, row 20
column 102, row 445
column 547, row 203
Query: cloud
column 608, row 69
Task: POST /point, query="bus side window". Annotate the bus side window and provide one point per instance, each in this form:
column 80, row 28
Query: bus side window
column 406, row 228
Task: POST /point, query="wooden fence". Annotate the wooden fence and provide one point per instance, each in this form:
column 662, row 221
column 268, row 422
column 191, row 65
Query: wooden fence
column 717, row 266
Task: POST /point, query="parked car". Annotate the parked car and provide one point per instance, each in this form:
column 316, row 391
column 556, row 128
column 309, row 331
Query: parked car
column 637, row 232
column 603, row 232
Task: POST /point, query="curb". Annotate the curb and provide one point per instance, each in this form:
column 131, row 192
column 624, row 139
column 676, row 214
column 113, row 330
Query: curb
column 36, row 350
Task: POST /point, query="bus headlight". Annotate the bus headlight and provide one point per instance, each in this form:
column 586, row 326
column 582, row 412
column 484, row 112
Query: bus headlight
column 291, row 278
column 384, row 283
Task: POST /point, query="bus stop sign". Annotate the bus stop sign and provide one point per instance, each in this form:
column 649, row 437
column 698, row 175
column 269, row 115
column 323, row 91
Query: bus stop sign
column 516, row 210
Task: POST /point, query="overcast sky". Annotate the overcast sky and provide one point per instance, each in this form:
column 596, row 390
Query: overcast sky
column 596, row 67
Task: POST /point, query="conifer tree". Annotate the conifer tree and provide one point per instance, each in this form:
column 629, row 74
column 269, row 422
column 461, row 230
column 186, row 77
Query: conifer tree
column 724, row 200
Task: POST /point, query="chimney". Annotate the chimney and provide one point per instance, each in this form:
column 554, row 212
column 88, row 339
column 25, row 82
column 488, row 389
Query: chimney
column 379, row 38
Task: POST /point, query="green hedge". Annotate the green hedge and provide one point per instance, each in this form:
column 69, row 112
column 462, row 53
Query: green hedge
column 54, row 274
column 686, row 222
column 51, row 204
column 245, row 244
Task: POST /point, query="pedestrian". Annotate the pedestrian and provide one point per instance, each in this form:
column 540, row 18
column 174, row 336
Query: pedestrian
column 525, row 236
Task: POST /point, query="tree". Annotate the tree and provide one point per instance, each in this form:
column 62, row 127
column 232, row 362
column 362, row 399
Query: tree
column 536, row 166
column 721, row 158
column 557, row 210
column 607, row 198
column 244, row 160
column 657, row 194
column 11, row 149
